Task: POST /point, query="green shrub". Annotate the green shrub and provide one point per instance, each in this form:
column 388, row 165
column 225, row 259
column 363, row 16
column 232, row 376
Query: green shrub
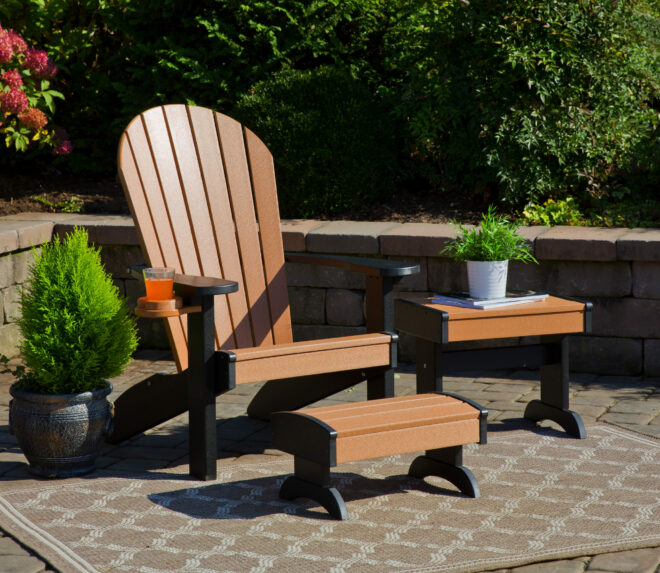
column 334, row 146
column 524, row 99
column 544, row 97
column 76, row 330
column 121, row 56
column 554, row 212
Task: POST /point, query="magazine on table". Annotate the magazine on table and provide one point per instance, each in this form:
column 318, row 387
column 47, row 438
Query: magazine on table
column 463, row 299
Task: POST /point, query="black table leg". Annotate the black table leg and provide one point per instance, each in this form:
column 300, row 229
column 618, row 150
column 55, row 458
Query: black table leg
column 553, row 404
column 429, row 366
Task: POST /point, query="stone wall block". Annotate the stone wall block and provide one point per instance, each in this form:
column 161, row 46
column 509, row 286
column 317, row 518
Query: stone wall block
column 11, row 304
column 3, row 316
column 319, row 331
column 646, row 279
column 152, row 333
column 33, row 233
column 598, row 355
column 10, row 338
column 578, row 244
column 626, row 317
column 414, row 282
column 22, row 262
column 530, row 276
column 344, row 307
column 294, row 232
column 133, row 289
column 8, row 239
column 652, row 357
column 445, row 275
column 639, row 245
column 117, row 259
column 348, row 237
column 417, row 239
column 6, row 271
column 121, row 286
column 307, row 305
column 589, row 279
column 321, row 276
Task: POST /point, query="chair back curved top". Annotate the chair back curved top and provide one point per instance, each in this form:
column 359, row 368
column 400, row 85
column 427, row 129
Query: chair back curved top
column 201, row 189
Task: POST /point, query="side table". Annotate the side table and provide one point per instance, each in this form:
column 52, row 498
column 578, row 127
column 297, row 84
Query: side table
column 437, row 327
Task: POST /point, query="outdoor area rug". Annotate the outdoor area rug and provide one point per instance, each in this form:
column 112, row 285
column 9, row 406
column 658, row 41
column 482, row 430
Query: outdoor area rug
column 544, row 496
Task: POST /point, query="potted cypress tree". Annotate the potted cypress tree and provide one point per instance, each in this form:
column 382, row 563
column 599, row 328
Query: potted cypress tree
column 487, row 250
column 76, row 333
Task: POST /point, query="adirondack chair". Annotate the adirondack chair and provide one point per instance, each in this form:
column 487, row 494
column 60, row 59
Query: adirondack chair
column 202, row 193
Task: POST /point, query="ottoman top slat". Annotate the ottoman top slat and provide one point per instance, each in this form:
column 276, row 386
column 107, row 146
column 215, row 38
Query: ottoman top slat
column 388, row 414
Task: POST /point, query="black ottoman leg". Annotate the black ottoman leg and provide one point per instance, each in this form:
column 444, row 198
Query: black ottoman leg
column 446, row 463
column 312, row 481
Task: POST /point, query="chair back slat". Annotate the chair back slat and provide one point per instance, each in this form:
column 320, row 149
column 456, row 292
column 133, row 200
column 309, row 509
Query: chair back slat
column 185, row 145
column 170, row 196
column 138, row 173
column 202, row 192
column 219, row 206
column 220, row 236
column 270, row 234
column 239, row 185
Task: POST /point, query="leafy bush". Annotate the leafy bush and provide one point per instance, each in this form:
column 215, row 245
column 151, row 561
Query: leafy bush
column 26, row 98
column 521, row 99
column 333, row 144
column 495, row 239
column 559, row 212
column 544, row 97
column 76, row 329
column 122, row 56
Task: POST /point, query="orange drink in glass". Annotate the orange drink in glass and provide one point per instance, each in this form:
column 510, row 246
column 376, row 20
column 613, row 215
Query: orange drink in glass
column 159, row 282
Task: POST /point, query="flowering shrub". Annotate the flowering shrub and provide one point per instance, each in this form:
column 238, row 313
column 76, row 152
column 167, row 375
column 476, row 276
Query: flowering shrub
column 26, row 100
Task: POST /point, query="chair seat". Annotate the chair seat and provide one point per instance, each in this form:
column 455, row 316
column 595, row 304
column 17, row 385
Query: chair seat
column 311, row 357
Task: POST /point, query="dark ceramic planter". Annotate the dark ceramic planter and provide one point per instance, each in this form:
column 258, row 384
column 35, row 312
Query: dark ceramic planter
column 60, row 434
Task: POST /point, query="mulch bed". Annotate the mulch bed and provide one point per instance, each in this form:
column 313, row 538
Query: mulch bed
column 105, row 195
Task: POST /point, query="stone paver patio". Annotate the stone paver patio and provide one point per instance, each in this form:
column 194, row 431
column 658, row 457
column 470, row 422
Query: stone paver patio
column 632, row 402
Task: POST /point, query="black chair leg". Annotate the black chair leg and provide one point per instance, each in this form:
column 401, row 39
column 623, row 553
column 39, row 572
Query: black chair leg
column 446, row 463
column 312, row 481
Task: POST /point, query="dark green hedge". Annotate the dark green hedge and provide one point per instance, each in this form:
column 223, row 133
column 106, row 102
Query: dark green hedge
column 525, row 99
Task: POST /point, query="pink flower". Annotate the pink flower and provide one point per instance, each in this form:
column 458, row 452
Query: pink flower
column 6, row 48
column 17, row 42
column 63, row 145
column 33, row 118
column 63, row 148
column 39, row 64
column 13, row 79
column 13, row 101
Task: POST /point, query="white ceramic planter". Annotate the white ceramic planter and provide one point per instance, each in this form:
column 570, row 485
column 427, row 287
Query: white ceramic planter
column 487, row 279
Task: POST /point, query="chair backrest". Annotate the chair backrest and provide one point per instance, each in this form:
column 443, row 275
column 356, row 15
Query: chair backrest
column 201, row 189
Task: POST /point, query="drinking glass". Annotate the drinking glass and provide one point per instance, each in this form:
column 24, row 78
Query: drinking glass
column 159, row 282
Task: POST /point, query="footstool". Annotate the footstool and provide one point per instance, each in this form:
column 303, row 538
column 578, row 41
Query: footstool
column 321, row 438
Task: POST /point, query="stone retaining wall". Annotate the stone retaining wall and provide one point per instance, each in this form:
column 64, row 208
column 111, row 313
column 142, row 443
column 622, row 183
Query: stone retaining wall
column 617, row 269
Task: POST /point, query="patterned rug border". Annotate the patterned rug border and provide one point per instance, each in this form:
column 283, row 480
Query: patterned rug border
column 62, row 558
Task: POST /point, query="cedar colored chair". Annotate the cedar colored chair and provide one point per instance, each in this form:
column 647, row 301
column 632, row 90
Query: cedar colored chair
column 201, row 189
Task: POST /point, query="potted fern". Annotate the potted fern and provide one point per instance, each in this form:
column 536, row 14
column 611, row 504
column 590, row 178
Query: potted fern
column 487, row 250
column 76, row 333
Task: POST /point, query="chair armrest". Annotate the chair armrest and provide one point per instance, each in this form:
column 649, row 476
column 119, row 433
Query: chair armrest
column 368, row 266
column 191, row 285
column 381, row 275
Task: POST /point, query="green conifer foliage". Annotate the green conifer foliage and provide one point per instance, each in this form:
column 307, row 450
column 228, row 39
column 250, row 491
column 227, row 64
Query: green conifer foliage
column 77, row 330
